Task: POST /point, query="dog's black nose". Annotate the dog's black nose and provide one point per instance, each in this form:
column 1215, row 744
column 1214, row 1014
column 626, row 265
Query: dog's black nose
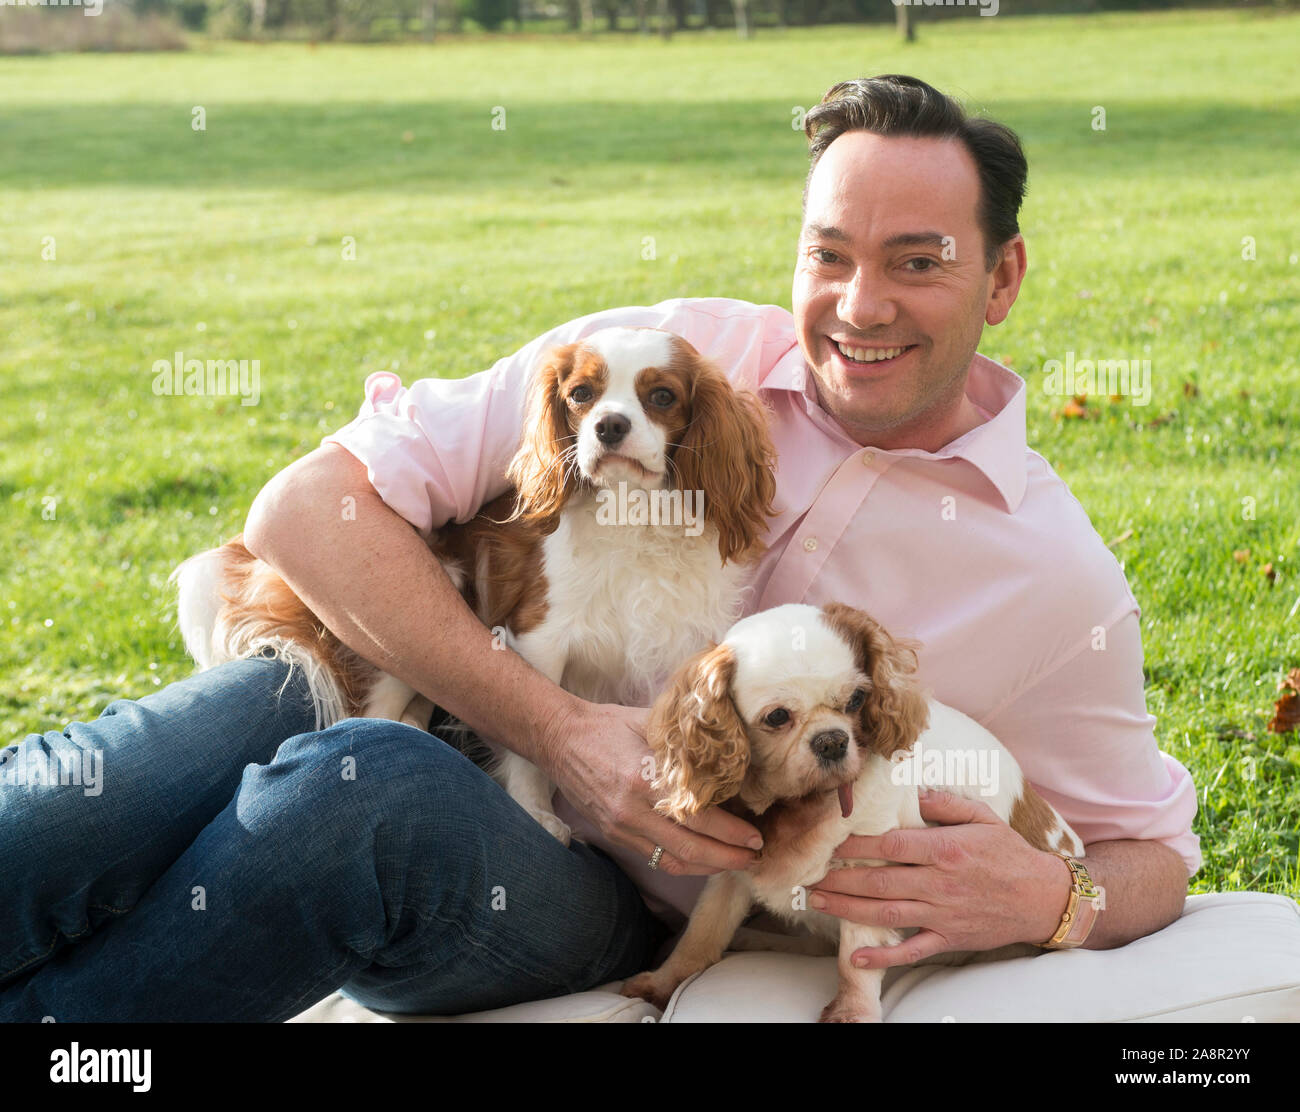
column 611, row 428
column 830, row 745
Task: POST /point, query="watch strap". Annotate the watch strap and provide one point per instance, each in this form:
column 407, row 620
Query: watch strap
column 1085, row 904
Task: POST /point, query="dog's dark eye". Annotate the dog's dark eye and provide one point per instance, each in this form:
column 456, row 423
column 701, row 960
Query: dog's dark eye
column 778, row 717
column 580, row 395
column 856, row 700
column 662, row 397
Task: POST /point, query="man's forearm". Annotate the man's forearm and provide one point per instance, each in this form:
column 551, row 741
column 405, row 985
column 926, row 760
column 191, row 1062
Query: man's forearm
column 373, row 581
column 1146, row 884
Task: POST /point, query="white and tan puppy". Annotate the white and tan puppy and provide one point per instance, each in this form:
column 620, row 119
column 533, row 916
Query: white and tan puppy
column 809, row 723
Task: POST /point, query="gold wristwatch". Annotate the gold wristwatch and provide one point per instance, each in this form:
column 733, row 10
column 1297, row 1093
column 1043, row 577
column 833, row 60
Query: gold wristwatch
column 1087, row 901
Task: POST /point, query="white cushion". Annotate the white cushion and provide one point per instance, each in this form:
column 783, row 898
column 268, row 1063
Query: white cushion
column 1232, row 956
column 601, row 1005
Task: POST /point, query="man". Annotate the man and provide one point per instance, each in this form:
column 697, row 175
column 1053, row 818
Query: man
column 905, row 487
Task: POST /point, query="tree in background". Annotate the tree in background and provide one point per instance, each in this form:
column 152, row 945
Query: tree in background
column 490, row 14
column 905, row 26
column 364, row 19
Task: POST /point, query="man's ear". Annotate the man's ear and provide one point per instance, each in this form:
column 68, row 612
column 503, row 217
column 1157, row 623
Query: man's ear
column 895, row 711
column 700, row 747
column 1007, row 276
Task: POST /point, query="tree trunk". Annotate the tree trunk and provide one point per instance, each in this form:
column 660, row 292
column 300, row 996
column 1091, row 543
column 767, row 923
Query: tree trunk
column 428, row 19
column 588, row 16
column 679, row 12
column 258, row 20
column 642, row 23
column 611, row 15
column 741, row 9
column 665, row 24
column 331, row 28
column 903, row 20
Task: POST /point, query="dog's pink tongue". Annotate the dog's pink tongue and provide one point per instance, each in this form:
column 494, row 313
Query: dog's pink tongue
column 846, row 800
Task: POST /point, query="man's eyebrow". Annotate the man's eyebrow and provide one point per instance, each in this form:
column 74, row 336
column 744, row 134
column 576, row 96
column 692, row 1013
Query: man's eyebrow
column 902, row 239
column 825, row 231
column 917, row 239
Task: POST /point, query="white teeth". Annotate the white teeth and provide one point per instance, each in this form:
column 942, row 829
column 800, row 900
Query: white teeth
column 869, row 355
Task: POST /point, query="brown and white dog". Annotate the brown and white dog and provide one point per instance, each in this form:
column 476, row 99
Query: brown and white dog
column 809, row 723
column 641, row 491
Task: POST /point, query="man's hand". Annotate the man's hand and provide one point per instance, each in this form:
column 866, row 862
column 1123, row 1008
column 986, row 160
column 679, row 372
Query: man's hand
column 972, row 883
column 599, row 758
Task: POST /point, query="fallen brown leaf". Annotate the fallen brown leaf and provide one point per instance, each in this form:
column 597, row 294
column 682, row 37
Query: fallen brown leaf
column 1286, row 711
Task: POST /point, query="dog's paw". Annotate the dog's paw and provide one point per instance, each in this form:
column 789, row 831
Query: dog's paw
column 649, row 987
column 555, row 826
column 847, row 1009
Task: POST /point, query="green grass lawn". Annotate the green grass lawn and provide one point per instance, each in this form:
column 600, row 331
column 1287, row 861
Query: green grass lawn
column 228, row 243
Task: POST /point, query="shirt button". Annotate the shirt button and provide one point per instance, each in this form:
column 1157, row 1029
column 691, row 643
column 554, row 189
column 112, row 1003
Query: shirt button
column 810, row 544
column 868, row 458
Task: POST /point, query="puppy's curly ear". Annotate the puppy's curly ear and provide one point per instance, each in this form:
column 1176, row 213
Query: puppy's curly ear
column 538, row 468
column 700, row 747
column 896, row 711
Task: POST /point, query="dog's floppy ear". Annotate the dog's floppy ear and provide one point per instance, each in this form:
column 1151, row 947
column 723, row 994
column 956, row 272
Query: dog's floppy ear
column 700, row 747
column 727, row 453
column 538, row 468
column 895, row 711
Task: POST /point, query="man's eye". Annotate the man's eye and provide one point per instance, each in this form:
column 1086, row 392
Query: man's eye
column 580, row 395
column 819, row 252
column 662, row 397
column 926, row 264
column 856, row 700
column 778, row 717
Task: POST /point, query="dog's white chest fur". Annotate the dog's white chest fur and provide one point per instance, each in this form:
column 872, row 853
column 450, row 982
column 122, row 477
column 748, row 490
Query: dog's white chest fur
column 626, row 604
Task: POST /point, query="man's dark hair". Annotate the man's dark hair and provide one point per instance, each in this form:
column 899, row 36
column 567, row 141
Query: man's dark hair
column 895, row 104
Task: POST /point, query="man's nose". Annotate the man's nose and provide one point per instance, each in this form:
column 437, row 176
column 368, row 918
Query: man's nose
column 865, row 303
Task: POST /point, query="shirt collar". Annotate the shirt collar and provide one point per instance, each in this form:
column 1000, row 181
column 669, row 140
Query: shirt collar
column 997, row 447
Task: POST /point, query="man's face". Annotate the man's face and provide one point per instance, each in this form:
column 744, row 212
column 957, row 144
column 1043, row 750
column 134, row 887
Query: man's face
column 891, row 255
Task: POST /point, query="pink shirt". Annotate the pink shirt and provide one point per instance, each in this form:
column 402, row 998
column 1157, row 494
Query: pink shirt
column 979, row 551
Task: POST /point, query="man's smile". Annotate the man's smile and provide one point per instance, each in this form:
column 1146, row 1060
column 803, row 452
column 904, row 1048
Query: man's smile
column 869, row 359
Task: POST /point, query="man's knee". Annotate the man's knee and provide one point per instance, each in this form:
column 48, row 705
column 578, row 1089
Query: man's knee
column 364, row 771
column 261, row 682
column 366, row 821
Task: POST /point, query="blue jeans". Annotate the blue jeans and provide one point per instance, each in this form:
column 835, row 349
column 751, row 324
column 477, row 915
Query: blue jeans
column 228, row 863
